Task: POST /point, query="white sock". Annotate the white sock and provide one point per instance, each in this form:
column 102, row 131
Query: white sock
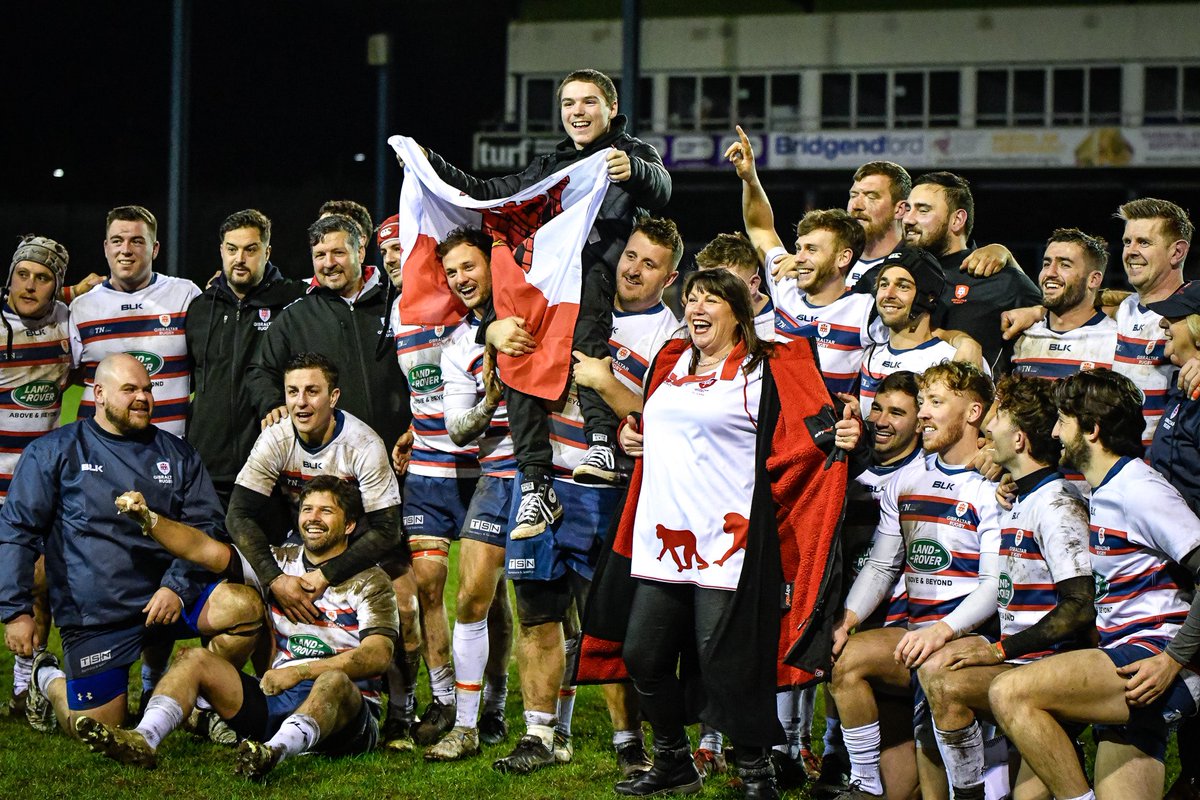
column 711, row 739
column 622, row 738
column 298, row 733
column 470, row 647
column 862, row 746
column 46, row 676
column 962, row 753
column 441, row 684
column 566, row 709
column 22, row 672
column 161, row 716
column 541, row 725
column 495, row 693
column 1090, row 795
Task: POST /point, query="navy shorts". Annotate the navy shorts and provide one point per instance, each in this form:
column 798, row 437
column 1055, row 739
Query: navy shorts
column 436, row 507
column 488, row 513
column 1149, row 727
column 574, row 542
column 96, row 660
column 261, row 716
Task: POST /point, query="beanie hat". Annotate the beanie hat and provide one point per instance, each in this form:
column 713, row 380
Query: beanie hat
column 389, row 230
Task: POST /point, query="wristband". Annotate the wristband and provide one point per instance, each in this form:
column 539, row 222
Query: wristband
column 149, row 526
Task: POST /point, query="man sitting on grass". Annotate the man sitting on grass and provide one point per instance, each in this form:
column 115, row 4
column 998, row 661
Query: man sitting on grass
column 322, row 692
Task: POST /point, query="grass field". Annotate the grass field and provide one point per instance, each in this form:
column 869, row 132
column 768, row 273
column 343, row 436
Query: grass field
column 34, row 766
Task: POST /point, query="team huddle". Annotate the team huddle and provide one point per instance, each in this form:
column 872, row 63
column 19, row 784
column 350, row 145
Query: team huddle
column 885, row 465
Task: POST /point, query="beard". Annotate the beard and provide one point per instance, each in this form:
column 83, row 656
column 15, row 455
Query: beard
column 1070, row 297
column 943, row 437
column 123, row 422
column 1075, row 454
column 936, row 241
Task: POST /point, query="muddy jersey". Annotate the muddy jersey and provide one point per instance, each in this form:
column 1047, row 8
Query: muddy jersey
column 697, row 475
column 1141, row 357
column 350, row 611
column 1043, row 352
column 34, row 363
column 150, row 325
column 842, row 329
column 1043, row 542
column 355, row 453
column 634, row 342
column 882, row 360
column 419, row 351
column 462, row 371
column 1140, row 525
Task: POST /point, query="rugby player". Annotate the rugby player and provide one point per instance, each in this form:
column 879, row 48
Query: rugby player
column 322, row 692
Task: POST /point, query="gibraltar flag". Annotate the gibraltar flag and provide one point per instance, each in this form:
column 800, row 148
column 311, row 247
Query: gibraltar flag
column 538, row 235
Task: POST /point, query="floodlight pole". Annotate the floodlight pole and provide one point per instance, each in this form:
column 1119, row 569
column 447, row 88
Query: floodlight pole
column 379, row 47
column 181, row 23
column 631, row 56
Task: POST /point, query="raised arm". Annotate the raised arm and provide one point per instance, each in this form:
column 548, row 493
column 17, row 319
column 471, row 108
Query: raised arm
column 757, row 215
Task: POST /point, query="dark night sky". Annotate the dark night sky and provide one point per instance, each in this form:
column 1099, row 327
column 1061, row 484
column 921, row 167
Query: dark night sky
column 281, row 100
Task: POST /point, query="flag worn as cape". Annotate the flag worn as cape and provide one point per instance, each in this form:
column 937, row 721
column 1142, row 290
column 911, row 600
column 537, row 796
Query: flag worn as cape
column 538, row 235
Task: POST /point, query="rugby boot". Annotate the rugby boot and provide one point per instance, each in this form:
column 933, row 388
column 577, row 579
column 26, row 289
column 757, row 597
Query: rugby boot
column 673, row 772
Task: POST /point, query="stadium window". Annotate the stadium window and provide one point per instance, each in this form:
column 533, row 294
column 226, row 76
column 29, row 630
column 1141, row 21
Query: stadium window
column 908, row 98
column 943, row 98
column 991, row 97
column 1029, row 96
column 835, row 99
column 1190, row 106
column 1068, row 96
column 751, row 111
column 1104, row 96
column 784, row 101
column 1161, row 96
column 541, row 112
column 645, row 101
column 716, row 103
column 681, row 102
column 871, row 100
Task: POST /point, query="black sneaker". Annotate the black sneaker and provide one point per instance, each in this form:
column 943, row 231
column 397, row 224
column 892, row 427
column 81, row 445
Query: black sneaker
column 632, row 759
column 539, row 508
column 493, row 727
column 530, row 755
column 788, row 773
column 599, row 466
column 435, row 723
column 854, row 792
column 673, row 772
column 835, row 773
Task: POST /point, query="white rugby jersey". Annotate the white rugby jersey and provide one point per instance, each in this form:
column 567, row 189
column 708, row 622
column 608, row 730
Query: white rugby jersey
column 697, row 475
column 462, row 371
column 1042, row 352
column 764, row 321
column 860, row 268
column 33, row 373
column 635, row 340
column 1139, row 524
column 419, row 351
column 149, row 325
column 1141, row 357
column 350, row 611
column 874, row 479
column 842, row 329
column 355, row 453
column 1043, row 541
column 882, row 360
column 942, row 523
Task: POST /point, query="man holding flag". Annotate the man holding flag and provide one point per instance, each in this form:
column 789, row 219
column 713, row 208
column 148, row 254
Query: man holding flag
column 638, row 183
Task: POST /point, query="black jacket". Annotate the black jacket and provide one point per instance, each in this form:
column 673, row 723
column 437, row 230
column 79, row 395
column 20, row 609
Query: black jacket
column 223, row 336
column 357, row 339
column 648, row 187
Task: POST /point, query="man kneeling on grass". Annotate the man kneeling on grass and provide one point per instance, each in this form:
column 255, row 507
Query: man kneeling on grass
column 322, row 692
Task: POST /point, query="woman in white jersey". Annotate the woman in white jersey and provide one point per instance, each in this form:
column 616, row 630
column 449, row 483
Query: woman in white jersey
column 694, row 534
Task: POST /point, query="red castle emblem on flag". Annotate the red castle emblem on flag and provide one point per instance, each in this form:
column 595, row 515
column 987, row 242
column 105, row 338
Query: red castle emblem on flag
column 515, row 224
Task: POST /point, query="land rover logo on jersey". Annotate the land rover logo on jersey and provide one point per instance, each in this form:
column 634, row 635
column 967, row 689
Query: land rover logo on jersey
column 151, row 361
column 960, row 291
column 623, row 354
column 425, row 378
column 822, row 329
column 961, row 508
column 164, row 467
column 165, row 320
column 303, row 645
column 927, row 555
column 264, row 314
column 1005, row 592
column 1101, row 585
column 36, row 394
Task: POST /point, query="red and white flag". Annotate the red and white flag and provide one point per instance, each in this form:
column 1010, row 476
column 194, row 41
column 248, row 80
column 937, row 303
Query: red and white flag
column 538, row 236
